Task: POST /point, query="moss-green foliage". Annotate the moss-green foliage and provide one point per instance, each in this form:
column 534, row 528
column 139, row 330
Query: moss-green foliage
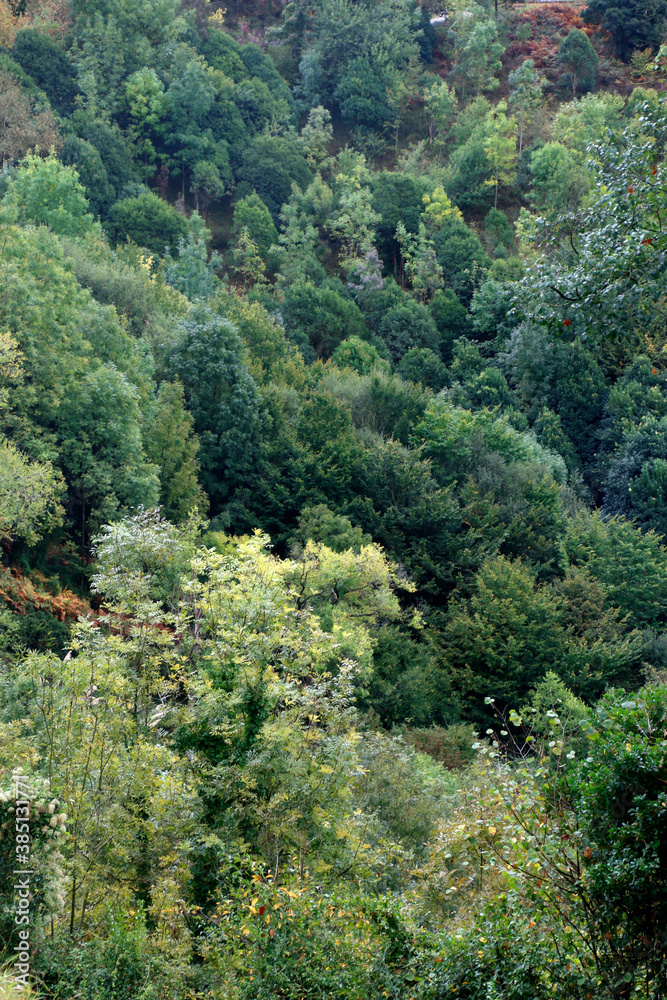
column 147, row 221
column 360, row 492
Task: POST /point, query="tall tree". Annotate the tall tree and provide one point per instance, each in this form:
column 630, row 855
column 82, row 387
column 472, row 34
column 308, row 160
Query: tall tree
column 526, row 88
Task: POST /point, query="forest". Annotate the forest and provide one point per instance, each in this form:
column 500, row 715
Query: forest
column 333, row 495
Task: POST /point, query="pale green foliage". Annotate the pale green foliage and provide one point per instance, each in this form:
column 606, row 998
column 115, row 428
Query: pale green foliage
column 316, row 136
column 439, row 209
column 441, row 108
column 30, row 495
column 296, row 252
column 476, row 48
column 44, row 192
column 526, row 87
column 452, row 436
column 500, row 147
column 174, row 448
column 420, row 262
column 587, row 120
column 246, row 259
column 354, row 219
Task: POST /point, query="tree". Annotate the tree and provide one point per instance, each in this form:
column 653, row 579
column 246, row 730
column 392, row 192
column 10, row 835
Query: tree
column 44, row 60
column 462, row 258
column 579, row 59
column 146, row 103
column 149, row 221
column 221, row 396
column 23, row 126
column 45, row 192
column 526, row 86
column 246, row 259
column 396, row 198
column 192, row 271
column 296, row 253
column 270, row 166
column 108, row 142
column 363, row 94
column 425, row 366
column 359, row 355
column 207, row 185
column 500, row 148
column 420, row 262
column 92, row 173
column 320, row 317
column 603, row 289
column 477, row 50
column 30, row 492
column 632, row 24
column 408, row 325
column 173, row 447
column 438, row 210
column 441, row 108
column 451, row 319
column 559, row 181
column 354, row 218
column 189, row 100
column 316, row 136
column 252, row 214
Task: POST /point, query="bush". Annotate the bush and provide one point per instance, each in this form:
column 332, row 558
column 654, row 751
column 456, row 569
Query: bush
column 423, row 365
column 321, row 317
column 408, row 325
column 148, row 221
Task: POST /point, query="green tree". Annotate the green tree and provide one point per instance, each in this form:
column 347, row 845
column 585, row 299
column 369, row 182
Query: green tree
column 316, row 136
column 321, row 317
column 424, row 366
column 579, row 59
column 451, row 319
column 559, row 181
column 252, row 214
column 173, row 447
column 477, row 50
column 359, row 355
column 526, row 86
column 500, row 148
column 632, row 25
column 44, row 60
column 246, row 259
column 148, row 221
column 221, row 396
column 420, row 262
column 46, row 192
column 408, row 325
column 92, row 173
column 30, row 491
column 441, row 108
column 270, row 166
column 146, row 103
column 207, row 185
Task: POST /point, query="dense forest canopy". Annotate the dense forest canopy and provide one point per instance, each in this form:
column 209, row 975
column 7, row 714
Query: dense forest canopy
column 333, row 499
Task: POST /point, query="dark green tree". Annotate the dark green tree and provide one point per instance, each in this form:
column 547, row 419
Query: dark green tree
column 579, row 60
column 222, row 398
column 44, row 60
column 92, row 173
column 148, row 221
column 633, row 24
